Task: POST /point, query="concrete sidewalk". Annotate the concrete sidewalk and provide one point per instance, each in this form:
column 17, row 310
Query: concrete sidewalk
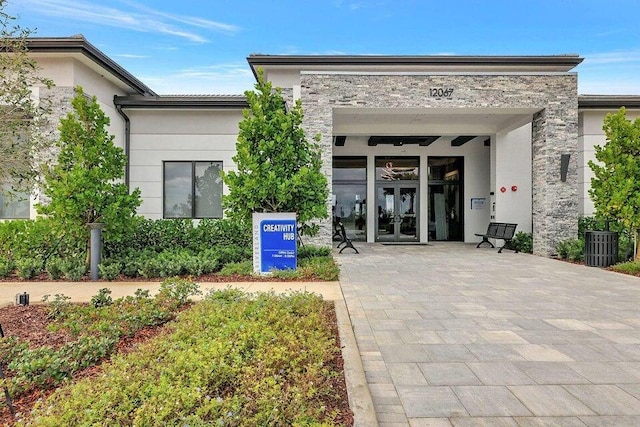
column 450, row 335
column 83, row 291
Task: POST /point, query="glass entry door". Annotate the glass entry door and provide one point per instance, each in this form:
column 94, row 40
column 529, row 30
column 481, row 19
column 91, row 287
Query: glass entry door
column 446, row 213
column 397, row 219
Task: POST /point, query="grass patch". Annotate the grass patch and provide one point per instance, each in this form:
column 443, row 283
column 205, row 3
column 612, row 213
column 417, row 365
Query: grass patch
column 232, row 359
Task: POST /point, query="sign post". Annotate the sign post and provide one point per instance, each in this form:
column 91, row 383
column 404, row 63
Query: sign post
column 274, row 242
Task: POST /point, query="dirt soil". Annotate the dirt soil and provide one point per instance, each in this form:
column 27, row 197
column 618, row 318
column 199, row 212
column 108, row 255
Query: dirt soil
column 30, row 324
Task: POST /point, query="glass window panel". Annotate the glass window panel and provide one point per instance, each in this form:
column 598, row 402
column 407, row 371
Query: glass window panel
column 351, row 209
column 349, row 169
column 445, row 168
column 208, row 190
column 15, row 206
column 178, row 190
column 397, row 168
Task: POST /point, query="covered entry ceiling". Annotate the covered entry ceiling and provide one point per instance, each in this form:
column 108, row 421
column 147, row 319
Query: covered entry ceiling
column 428, row 121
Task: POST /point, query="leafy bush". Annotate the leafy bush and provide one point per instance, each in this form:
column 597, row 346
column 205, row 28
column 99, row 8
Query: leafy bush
column 523, row 242
column 178, row 290
column 73, row 269
column 309, row 251
column 571, row 249
column 230, row 360
column 102, row 298
column 174, row 234
column 109, row 270
column 54, row 268
column 6, row 267
column 244, row 268
column 38, row 238
column 28, row 268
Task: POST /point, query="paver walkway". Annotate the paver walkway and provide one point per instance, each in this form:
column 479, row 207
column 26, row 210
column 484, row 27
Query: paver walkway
column 454, row 335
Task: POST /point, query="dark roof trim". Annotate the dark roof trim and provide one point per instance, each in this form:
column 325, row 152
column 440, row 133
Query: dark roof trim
column 78, row 44
column 223, row 102
column 413, row 60
column 594, row 102
column 568, row 61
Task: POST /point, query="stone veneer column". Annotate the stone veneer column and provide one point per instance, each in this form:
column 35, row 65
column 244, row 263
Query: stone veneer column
column 554, row 129
column 555, row 203
column 319, row 119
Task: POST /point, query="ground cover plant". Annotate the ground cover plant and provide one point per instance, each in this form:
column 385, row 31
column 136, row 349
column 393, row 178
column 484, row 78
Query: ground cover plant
column 88, row 333
column 233, row 359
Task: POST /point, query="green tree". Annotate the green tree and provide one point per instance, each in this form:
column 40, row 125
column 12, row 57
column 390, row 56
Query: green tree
column 278, row 169
column 85, row 185
column 22, row 116
column 615, row 187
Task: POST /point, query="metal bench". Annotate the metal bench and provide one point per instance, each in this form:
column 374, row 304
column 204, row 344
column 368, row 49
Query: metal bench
column 499, row 230
column 345, row 240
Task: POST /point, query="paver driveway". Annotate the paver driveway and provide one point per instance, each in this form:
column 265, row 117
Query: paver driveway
column 454, row 335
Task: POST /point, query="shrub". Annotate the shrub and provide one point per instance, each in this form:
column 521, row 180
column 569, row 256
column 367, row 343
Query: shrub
column 28, row 268
column 102, row 298
column 74, row 269
column 309, row 251
column 178, row 290
column 38, row 238
column 571, row 249
column 523, row 242
column 244, row 268
column 320, row 268
column 54, row 267
column 6, row 268
column 109, row 270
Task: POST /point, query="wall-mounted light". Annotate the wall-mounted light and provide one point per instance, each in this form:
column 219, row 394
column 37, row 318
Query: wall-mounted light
column 564, row 166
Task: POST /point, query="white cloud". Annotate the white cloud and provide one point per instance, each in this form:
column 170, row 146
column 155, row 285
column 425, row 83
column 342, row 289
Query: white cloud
column 130, row 56
column 143, row 20
column 614, row 57
column 223, row 79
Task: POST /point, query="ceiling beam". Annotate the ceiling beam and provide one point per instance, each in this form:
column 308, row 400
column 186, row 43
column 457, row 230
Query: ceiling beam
column 398, row 141
column 461, row 140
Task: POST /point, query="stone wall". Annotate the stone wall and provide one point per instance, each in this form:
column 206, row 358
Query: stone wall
column 58, row 100
column 555, row 127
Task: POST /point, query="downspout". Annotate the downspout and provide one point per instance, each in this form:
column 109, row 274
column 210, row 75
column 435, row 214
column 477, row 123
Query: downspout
column 127, row 141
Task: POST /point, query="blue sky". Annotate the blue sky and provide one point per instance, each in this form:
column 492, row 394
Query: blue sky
column 200, row 46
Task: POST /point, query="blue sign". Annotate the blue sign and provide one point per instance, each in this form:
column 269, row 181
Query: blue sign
column 276, row 242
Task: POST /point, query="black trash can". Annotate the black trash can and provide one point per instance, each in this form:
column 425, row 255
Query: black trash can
column 600, row 248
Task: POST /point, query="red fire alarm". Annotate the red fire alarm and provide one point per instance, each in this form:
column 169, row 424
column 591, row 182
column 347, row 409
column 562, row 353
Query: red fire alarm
column 503, row 189
column 514, row 188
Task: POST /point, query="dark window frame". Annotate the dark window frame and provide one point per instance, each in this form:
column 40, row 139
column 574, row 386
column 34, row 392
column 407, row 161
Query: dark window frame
column 193, row 188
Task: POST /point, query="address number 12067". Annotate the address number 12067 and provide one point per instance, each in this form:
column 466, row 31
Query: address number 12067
column 440, row 92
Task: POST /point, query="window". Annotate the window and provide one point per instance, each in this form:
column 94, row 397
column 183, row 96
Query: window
column 350, row 195
column 15, row 206
column 192, row 190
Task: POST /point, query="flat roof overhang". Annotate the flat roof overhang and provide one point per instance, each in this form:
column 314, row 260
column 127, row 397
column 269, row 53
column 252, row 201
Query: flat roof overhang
column 78, row 47
column 189, row 102
column 608, row 102
column 447, row 63
column 428, row 121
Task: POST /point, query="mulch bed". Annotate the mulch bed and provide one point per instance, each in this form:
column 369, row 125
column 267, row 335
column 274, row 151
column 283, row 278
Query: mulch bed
column 30, row 324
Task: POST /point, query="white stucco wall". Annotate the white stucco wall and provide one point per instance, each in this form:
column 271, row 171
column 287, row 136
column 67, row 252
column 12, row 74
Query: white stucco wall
column 476, row 177
column 162, row 135
column 512, row 151
column 590, row 134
